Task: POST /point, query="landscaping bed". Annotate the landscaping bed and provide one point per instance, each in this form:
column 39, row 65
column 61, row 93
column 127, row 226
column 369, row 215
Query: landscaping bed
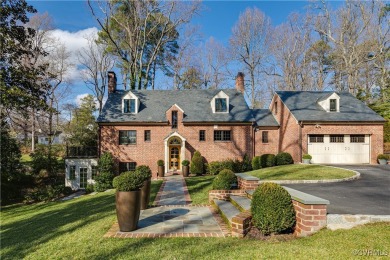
column 301, row 172
column 74, row 229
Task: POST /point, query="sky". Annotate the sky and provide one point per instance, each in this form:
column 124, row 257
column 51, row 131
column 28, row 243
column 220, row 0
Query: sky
column 73, row 20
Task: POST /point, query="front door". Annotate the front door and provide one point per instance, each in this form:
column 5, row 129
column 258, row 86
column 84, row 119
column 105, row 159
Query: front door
column 174, row 158
column 83, row 177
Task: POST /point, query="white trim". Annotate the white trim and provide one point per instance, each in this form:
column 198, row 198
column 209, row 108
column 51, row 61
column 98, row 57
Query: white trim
column 175, row 105
column 325, row 104
column 220, row 94
column 130, row 95
column 166, row 148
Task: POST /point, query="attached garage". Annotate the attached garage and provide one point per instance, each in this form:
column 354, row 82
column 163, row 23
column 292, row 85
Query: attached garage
column 339, row 149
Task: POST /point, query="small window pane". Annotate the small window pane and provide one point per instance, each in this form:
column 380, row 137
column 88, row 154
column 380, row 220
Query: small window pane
column 174, row 119
column 147, row 135
column 132, row 105
column 127, row 166
column 129, row 105
column 72, row 172
column 94, row 172
column 202, row 135
column 357, row 138
column 316, row 139
column 220, row 105
column 333, row 105
column 337, row 138
column 222, row 135
column 264, row 137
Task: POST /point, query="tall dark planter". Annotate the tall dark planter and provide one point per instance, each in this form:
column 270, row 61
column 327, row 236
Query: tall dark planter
column 128, row 207
column 145, row 194
column 160, row 171
column 186, row 170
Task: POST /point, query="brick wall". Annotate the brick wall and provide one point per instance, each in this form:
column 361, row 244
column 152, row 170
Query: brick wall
column 149, row 152
column 273, row 141
column 224, row 194
column 309, row 218
column 247, row 184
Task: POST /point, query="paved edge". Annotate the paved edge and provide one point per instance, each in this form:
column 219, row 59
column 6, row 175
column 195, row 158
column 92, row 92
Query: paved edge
column 347, row 221
column 355, row 177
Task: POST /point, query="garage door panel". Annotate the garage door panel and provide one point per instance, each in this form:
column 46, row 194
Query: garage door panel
column 339, row 153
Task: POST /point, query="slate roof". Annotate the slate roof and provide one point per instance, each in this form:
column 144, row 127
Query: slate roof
column 264, row 117
column 194, row 102
column 304, row 106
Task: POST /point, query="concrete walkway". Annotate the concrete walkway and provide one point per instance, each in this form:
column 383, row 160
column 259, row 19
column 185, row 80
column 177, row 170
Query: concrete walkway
column 173, row 217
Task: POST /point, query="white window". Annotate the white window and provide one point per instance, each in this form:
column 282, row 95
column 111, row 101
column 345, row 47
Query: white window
column 129, row 106
column 220, row 105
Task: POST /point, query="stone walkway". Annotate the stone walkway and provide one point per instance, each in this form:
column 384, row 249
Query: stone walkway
column 173, row 217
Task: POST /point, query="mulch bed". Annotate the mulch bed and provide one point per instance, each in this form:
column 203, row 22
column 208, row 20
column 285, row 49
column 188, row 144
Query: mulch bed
column 254, row 233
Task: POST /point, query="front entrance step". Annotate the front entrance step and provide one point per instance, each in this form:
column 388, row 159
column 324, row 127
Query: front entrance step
column 227, row 209
column 243, row 203
column 249, row 193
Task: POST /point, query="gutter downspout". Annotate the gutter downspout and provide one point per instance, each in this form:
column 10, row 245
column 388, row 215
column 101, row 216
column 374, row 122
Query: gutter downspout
column 300, row 140
column 253, row 140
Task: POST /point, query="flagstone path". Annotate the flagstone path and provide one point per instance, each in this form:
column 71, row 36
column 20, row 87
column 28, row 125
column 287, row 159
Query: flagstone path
column 174, row 217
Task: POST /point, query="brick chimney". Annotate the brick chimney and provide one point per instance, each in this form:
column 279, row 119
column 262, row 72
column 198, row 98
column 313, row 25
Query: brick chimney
column 111, row 82
column 240, row 82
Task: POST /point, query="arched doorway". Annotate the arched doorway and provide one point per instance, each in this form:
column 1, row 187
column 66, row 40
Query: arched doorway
column 174, row 146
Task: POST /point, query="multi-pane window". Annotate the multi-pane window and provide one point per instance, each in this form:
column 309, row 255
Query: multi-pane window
column 222, row 135
column 147, row 135
column 128, row 137
column 72, row 172
column 129, row 106
column 357, row 138
column 333, row 105
column 316, row 138
column 83, row 177
column 174, row 119
column 202, row 135
column 94, row 172
column 220, row 105
column 337, row 138
column 264, row 137
column 126, row 166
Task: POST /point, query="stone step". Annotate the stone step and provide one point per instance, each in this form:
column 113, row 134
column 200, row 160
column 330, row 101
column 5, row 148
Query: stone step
column 249, row 193
column 243, row 203
column 227, row 209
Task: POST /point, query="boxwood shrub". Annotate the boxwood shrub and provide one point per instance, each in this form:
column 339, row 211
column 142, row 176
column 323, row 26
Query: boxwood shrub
column 256, row 163
column 267, row 160
column 272, row 209
column 197, row 164
column 225, row 179
column 129, row 181
column 283, row 159
column 144, row 171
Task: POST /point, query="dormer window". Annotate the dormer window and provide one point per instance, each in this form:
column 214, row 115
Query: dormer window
column 129, row 106
column 130, row 103
column 220, row 105
column 333, row 104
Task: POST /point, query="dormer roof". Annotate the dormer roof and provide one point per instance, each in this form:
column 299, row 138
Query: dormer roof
column 194, row 102
column 304, row 107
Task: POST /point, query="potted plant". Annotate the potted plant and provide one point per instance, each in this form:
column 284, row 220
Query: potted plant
column 185, row 167
column 145, row 171
column 306, row 158
column 160, row 164
column 128, row 199
column 382, row 158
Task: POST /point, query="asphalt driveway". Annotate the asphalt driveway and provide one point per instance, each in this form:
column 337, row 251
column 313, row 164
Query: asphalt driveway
column 369, row 195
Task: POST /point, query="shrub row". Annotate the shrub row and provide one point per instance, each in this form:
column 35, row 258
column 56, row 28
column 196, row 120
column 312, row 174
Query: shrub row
column 224, row 180
column 270, row 160
column 236, row 166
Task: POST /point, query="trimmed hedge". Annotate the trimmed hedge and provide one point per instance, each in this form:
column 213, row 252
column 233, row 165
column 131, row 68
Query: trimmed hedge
column 272, row 209
column 103, row 181
column 129, row 181
column 197, row 164
column 236, row 166
column 283, row 159
column 256, row 163
column 224, row 180
column 267, row 160
column 144, row 171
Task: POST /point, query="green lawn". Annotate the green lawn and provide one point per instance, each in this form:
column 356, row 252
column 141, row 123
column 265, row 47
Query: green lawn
column 301, row 172
column 199, row 187
column 74, row 230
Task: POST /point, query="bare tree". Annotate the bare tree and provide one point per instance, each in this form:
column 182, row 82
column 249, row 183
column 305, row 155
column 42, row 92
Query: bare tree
column 347, row 29
column 139, row 32
column 96, row 62
column 250, row 43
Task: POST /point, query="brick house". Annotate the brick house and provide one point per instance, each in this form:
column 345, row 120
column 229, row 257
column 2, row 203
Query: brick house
column 140, row 127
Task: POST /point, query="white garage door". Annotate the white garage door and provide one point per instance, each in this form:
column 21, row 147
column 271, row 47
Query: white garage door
column 339, row 148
